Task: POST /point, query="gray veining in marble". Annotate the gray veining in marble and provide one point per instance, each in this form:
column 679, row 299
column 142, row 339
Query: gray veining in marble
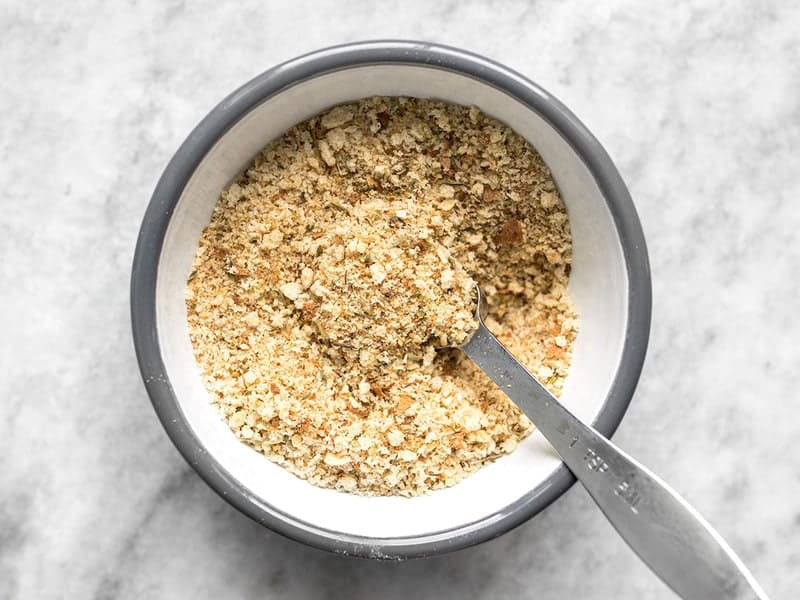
column 699, row 104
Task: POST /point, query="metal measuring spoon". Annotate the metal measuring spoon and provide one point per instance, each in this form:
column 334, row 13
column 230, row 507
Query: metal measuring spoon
column 662, row 528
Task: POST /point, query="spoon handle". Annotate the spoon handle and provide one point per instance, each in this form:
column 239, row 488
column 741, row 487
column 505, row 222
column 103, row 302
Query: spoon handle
column 662, row 528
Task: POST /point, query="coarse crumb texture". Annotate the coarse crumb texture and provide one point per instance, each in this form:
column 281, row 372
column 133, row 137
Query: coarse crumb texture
column 384, row 293
column 337, row 266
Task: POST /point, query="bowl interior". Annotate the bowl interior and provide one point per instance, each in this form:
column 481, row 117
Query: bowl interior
column 598, row 286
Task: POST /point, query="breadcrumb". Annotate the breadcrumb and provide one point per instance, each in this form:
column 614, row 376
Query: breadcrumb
column 338, row 265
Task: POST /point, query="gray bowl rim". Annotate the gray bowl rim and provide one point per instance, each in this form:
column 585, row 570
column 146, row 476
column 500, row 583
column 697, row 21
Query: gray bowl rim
column 223, row 117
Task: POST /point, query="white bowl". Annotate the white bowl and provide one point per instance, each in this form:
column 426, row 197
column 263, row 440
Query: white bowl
column 610, row 284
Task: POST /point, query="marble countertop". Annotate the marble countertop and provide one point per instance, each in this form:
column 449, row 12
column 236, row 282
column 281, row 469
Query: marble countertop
column 698, row 103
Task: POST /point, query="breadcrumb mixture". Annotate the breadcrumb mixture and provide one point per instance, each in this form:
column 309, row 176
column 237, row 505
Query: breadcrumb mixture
column 384, row 293
column 337, row 268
